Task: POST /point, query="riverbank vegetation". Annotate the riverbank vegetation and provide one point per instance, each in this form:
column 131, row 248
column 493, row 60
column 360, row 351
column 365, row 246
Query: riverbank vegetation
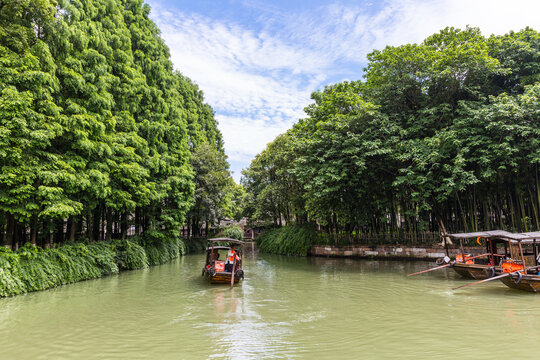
column 32, row 268
column 439, row 136
column 234, row 232
column 288, row 240
column 100, row 138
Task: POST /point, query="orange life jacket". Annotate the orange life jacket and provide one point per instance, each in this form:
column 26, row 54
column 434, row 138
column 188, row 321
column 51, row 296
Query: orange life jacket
column 511, row 266
column 459, row 259
column 232, row 256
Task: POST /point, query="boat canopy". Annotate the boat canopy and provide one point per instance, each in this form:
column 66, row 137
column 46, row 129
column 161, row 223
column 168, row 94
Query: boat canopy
column 235, row 241
column 500, row 235
column 218, row 248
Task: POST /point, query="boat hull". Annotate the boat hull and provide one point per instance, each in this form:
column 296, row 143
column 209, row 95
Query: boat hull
column 475, row 271
column 220, row 278
column 530, row 283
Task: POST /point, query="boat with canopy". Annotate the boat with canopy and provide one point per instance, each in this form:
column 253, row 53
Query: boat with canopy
column 214, row 269
column 488, row 264
column 477, row 267
column 523, row 272
column 506, row 252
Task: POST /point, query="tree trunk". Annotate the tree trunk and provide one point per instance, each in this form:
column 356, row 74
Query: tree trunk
column 123, row 224
column 108, row 229
column 34, row 230
column 59, row 232
column 10, row 229
column 90, row 225
column 96, row 218
column 73, row 228
column 138, row 223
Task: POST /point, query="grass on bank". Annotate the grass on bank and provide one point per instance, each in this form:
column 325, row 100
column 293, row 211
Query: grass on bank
column 33, row 268
column 289, row 240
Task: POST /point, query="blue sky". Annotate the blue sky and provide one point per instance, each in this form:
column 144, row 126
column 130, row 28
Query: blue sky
column 257, row 62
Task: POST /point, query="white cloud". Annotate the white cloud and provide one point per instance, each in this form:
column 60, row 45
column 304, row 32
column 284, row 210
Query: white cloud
column 244, row 145
column 257, row 84
column 259, row 81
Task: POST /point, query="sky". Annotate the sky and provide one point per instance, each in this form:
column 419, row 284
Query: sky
column 257, row 62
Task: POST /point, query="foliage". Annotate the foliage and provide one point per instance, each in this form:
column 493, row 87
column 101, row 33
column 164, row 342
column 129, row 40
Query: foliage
column 273, row 191
column 32, row 268
column 195, row 245
column 441, row 135
column 102, row 133
column 288, row 240
column 159, row 251
column 130, row 255
column 234, row 232
column 213, row 181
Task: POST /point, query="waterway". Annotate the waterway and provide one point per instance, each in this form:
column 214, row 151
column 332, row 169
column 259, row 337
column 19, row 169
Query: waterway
column 310, row 308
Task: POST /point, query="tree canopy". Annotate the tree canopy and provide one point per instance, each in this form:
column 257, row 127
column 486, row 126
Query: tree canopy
column 441, row 133
column 99, row 134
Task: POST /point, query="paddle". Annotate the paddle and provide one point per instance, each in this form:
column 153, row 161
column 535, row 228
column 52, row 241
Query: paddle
column 446, row 265
column 435, row 268
column 494, row 278
column 232, row 271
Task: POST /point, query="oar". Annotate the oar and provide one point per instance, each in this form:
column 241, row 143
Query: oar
column 232, row 271
column 446, row 265
column 428, row 270
column 494, row 278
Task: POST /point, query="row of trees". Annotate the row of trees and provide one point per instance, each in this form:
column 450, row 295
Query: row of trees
column 442, row 134
column 98, row 133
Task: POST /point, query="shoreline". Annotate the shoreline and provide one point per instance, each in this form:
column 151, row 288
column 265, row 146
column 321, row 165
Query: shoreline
column 389, row 252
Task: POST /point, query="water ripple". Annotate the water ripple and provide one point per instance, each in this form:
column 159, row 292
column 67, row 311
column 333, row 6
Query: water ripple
column 286, row 308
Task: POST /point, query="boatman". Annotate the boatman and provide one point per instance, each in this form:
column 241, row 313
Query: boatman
column 231, row 255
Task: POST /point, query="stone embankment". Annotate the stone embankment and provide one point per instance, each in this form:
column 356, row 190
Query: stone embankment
column 390, row 251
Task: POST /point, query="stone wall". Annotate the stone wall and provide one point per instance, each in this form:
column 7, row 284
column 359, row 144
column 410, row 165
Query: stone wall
column 389, row 251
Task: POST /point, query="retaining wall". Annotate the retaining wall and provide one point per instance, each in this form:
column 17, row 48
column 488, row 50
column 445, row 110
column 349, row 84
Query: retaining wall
column 387, row 251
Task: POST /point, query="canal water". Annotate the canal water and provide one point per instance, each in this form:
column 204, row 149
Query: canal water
column 311, row 308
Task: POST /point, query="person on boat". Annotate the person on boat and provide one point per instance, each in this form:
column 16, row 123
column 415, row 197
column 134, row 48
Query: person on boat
column 231, row 256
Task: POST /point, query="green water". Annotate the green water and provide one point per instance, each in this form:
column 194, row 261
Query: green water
column 286, row 308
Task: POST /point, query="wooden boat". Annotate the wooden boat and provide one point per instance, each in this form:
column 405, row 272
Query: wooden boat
column 476, row 267
column 486, row 265
column 214, row 268
column 475, row 271
column 526, row 282
column 520, row 270
column 523, row 268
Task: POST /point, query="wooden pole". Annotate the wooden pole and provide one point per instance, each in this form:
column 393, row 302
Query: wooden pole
column 492, row 250
column 445, row 239
column 522, row 257
column 495, row 277
column 535, row 251
column 462, row 252
column 485, row 280
column 428, row 270
column 446, row 265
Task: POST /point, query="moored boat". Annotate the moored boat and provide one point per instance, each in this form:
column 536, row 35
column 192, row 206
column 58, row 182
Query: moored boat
column 519, row 270
column 476, row 271
column 523, row 269
column 526, row 282
column 477, row 267
column 215, row 267
column 482, row 266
